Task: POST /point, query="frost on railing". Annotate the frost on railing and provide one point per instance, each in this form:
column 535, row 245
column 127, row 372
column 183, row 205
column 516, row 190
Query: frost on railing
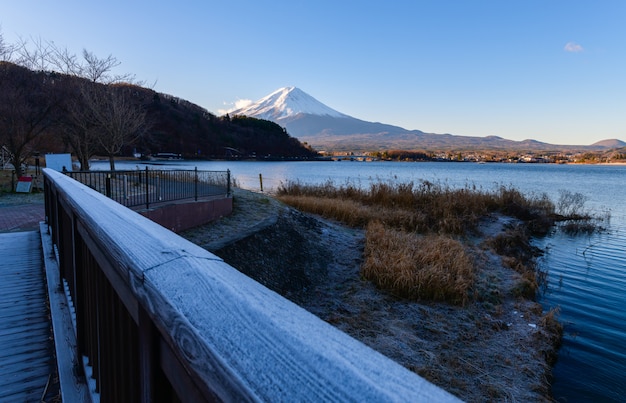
column 161, row 319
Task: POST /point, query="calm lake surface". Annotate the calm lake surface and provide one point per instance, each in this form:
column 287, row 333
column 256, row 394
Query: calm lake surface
column 587, row 274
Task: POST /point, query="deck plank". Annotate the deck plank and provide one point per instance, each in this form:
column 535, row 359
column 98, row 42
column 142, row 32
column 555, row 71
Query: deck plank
column 26, row 347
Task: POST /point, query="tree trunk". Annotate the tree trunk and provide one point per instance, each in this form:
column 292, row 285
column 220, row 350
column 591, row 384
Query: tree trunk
column 112, row 162
column 83, row 160
column 84, row 165
column 17, row 165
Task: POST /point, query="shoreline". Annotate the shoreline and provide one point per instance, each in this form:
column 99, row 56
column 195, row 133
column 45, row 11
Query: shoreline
column 481, row 351
column 501, row 348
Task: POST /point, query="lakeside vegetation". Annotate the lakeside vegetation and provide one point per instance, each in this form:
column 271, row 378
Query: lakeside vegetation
column 466, row 256
column 417, row 233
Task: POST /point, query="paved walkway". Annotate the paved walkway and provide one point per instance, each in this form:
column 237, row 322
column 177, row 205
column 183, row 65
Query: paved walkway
column 21, row 218
column 27, row 365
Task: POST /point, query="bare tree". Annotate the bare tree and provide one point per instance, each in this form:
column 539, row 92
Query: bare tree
column 80, row 127
column 118, row 121
column 64, row 61
column 98, row 70
column 6, row 50
column 34, row 54
column 25, row 109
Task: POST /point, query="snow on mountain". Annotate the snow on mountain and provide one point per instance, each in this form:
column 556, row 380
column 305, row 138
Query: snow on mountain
column 309, row 120
column 287, row 102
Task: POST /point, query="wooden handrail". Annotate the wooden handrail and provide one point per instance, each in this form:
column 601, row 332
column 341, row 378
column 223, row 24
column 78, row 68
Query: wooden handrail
column 160, row 318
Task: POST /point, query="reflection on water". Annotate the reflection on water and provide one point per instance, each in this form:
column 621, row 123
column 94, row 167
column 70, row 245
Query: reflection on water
column 587, row 274
column 587, row 279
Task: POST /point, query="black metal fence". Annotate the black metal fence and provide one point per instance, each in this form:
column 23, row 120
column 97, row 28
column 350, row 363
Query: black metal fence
column 134, row 188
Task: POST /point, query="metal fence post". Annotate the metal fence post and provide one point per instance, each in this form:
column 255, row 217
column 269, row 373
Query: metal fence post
column 196, row 184
column 228, row 182
column 147, row 191
column 108, row 185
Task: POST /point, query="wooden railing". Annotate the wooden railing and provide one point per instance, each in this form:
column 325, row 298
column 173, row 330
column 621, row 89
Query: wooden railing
column 161, row 319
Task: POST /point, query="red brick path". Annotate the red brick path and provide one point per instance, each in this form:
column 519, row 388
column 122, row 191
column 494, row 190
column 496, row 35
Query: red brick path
column 21, row 218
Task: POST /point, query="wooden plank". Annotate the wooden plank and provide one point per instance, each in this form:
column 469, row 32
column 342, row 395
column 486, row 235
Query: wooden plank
column 16, row 364
column 38, row 369
column 18, row 340
column 26, row 359
column 73, row 387
column 24, row 329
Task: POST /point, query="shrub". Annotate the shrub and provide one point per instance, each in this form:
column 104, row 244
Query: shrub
column 571, row 205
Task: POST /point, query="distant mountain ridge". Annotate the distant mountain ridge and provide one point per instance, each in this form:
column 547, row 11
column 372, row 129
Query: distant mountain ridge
column 610, row 143
column 309, row 120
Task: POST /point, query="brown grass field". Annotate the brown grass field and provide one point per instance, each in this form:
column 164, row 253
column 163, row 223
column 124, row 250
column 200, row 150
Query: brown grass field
column 414, row 232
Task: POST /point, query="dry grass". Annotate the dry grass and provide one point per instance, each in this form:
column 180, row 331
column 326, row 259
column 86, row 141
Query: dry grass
column 432, row 267
column 554, row 329
column 423, row 207
column 355, row 213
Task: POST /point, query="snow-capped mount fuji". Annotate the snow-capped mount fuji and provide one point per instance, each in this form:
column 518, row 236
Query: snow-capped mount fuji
column 309, row 120
column 286, row 103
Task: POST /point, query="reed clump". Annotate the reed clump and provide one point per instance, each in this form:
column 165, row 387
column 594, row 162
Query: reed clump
column 432, row 267
column 412, row 230
column 422, row 207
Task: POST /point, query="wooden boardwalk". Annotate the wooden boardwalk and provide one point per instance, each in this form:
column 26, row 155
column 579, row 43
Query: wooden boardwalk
column 27, row 364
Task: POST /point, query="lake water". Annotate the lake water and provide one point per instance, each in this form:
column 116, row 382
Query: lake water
column 587, row 274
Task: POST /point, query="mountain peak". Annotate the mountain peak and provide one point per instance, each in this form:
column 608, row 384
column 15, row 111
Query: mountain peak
column 284, row 103
column 610, row 143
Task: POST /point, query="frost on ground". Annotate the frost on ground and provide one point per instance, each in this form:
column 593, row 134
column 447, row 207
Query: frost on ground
column 482, row 351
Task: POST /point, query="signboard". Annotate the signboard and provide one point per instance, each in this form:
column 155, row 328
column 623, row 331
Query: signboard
column 59, row 161
column 24, row 184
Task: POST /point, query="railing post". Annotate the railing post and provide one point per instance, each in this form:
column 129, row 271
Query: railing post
column 196, row 184
column 228, row 182
column 125, row 190
column 147, row 191
column 108, row 185
column 157, row 184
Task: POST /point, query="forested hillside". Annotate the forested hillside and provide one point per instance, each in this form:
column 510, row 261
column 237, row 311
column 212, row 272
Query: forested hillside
column 45, row 111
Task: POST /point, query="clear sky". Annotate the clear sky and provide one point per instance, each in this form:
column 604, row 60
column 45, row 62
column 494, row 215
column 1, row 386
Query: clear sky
column 549, row 70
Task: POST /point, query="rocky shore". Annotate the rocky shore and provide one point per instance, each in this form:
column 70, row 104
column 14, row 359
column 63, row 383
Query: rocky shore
column 500, row 351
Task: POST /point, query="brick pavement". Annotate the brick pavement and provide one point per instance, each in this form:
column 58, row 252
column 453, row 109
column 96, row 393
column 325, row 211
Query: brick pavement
column 24, row 217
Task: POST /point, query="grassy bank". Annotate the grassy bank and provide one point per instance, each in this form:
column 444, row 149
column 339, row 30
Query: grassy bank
column 470, row 326
column 415, row 233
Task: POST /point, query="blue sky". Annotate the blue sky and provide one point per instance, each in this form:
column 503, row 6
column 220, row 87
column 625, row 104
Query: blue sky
column 553, row 71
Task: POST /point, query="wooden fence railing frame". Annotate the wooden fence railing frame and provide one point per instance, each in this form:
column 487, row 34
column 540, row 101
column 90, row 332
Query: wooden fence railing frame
column 161, row 319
